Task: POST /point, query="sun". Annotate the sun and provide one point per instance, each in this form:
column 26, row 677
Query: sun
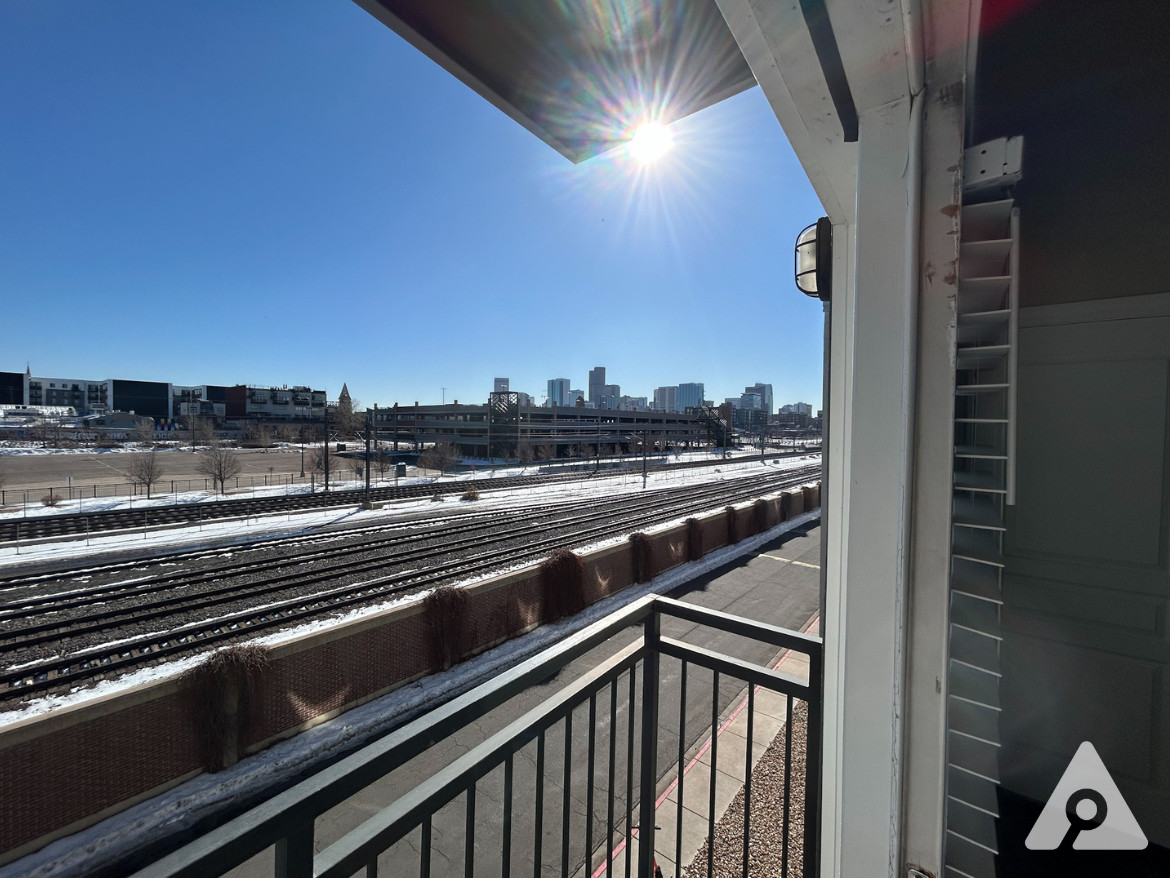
column 651, row 142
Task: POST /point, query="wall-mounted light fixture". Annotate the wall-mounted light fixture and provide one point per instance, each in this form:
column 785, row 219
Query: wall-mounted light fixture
column 814, row 260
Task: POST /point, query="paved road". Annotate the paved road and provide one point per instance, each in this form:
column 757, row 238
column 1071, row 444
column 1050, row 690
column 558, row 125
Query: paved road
column 778, row 585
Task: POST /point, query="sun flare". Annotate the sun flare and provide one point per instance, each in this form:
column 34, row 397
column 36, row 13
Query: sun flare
column 651, row 142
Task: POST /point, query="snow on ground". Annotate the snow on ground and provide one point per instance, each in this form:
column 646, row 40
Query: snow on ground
column 180, row 808
column 212, row 533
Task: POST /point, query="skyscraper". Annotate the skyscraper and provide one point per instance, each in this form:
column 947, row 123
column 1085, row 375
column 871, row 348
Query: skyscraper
column 596, row 384
column 558, row 391
column 610, row 396
column 690, row 395
column 666, row 399
column 765, row 392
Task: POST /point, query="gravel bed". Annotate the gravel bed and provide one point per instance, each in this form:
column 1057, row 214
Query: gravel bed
column 765, row 852
column 246, row 582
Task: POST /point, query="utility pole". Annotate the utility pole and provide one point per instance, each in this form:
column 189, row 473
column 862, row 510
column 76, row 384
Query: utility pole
column 327, row 445
column 599, row 442
column 645, row 436
column 368, row 423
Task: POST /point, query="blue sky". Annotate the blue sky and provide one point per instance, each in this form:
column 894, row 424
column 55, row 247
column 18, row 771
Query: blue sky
column 209, row 192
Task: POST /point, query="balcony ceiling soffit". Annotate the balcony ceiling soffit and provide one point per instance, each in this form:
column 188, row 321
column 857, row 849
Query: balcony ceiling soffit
column 579, row 75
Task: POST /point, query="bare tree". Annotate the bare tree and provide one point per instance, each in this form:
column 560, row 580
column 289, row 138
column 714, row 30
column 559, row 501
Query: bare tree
column 382, row 462
column 219, row 464
column 439, row 456
column 525, row 453
column 144, row 434
column 345, row 418
column 257, row 436
column 50, row 432
column 317, row 457
column 144, row 468
column 358, row 468
column 198, row 430
column 546, row 452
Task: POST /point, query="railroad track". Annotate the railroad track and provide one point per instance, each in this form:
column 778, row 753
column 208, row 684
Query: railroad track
column 41, row 527
column 46, row 526
column 459, row 554
column 327, row 535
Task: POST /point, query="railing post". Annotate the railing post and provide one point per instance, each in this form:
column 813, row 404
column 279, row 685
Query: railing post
column 649, row 750
column 812, row 763
column 294, row 854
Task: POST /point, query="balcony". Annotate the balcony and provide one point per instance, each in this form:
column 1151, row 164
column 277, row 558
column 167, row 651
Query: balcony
column 512, row 804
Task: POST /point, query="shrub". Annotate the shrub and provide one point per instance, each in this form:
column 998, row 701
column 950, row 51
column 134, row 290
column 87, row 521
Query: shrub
column 640, row 555
column 562, row 581
column 444, row 611
column 694, row 539
column 470, row 494
column 761, row 510
column 219, row 693
column 51, row 499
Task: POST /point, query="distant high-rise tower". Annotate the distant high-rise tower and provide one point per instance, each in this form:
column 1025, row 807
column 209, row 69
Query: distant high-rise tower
column 690, row 395
column 610, row 397
column 501, row 385
column 666, row 399
column 558, row 391
column 765, row 392
column 596, row 384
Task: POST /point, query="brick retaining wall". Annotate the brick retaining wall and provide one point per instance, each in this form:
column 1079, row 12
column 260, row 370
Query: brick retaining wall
column 71, row 767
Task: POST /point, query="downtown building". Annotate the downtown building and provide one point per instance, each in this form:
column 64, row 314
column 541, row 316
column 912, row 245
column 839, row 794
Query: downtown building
column 165, row 403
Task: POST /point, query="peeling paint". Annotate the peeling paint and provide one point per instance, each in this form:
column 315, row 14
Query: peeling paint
column 952, row 277
column 951, row 210
column 928, row 272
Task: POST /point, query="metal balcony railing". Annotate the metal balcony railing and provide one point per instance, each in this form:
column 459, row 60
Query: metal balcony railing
column 475, row 817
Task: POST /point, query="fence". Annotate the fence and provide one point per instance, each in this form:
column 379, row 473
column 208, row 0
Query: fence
column 442, row 827
column 167, row 487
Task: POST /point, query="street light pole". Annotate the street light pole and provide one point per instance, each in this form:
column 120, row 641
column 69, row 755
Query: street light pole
column 598, row 442
column 368, row 423
column 326, row 445
column 645, row 431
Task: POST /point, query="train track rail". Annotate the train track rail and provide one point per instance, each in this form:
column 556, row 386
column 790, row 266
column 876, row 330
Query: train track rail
column 44, row 650
column 42, row 527
column 18, row 587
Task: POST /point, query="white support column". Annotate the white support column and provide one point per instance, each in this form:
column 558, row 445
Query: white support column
column 924, row 797
column 874, row 311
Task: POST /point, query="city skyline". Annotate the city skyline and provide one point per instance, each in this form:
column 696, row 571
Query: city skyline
column 670, row 398
column 249, row 196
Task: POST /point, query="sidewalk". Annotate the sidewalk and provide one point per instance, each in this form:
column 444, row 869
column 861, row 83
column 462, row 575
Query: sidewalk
column 748, row 589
